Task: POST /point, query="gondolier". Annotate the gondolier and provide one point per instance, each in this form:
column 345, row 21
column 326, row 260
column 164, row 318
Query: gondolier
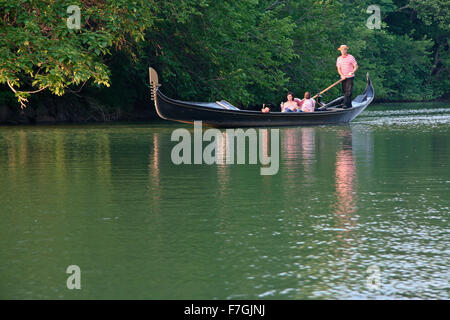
column 346, row 66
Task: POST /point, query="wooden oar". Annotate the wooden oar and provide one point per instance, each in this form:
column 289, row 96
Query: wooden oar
column 325, row 90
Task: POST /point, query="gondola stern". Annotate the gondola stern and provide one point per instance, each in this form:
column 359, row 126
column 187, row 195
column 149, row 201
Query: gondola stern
column 369, row 85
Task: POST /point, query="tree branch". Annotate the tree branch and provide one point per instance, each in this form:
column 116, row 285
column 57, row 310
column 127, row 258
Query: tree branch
column 22, row 100
column 273, row 5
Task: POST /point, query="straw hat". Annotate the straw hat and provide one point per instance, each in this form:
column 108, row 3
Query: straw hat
column 343, row 46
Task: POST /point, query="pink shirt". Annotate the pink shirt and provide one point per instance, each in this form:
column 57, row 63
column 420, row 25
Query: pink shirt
column 346, row 64
column 308, row 105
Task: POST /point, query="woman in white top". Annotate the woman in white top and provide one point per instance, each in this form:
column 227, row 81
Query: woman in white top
column 290, row 105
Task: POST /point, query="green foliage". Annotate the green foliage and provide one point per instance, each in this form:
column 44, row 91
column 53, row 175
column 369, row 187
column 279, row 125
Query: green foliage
column 435, row 17
column 314, row 67
column 248, row 52
column 38, row 50
column 432, row 12
column 403, row 80
column 208, row 57
column 230, row 49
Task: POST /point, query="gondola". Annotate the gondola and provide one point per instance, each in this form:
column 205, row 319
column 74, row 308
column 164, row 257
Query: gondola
column 222, row 114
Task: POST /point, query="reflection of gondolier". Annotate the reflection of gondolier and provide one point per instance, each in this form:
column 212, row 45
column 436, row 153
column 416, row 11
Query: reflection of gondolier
column 346, row 66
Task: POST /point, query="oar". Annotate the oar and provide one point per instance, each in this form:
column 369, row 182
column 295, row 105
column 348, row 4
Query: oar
column 325, row 90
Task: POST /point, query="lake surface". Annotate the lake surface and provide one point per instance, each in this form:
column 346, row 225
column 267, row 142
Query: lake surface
column 355, row 211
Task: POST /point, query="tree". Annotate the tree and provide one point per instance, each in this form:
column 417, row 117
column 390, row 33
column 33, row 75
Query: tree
column 434, row 16
column 39, row 51
column 248, row 52
column 224, row 49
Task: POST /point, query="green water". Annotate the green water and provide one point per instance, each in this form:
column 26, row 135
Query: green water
column 346, row 199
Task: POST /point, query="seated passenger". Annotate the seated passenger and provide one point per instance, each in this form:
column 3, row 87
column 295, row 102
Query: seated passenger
column 290, row 105
column 307, row 103
column 265, row 109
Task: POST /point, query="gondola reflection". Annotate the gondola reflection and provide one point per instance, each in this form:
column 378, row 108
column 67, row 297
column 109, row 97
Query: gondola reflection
column 154, row 169
column 346, row 198
column 346, row 178
column 299, row 155
column 223, row 170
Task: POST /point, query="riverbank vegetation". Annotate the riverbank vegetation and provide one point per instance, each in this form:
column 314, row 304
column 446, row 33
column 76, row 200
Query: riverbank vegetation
column 247, row 52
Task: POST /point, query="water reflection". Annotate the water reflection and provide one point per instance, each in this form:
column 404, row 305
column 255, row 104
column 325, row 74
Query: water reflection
column 154, row 169
column 330, row 158
column 308, row 147
column 346, row 178
column 345, row 206
column 217, row 231
column 223, row 173
column 54, row 156
column 301, row 152
column 299, row 156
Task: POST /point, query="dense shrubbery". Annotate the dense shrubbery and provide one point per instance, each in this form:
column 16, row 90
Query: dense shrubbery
column 247, row 52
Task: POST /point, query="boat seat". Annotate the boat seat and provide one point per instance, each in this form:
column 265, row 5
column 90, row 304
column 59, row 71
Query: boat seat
column 226, row 105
